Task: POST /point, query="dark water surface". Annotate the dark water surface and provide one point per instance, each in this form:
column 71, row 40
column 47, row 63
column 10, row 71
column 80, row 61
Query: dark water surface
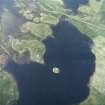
column 70, row 51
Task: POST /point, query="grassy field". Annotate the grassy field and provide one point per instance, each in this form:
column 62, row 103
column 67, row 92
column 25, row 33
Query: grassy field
column 97, row 93
column 95, row 98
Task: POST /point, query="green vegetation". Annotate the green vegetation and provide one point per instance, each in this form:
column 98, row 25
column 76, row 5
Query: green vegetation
column 90, row 19
column 8, row 89
column 44, row 14
column 99, row 77
column 35, row 47
column 39, row 30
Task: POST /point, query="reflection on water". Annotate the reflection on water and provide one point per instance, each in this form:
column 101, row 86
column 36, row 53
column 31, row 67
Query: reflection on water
column 74, row 4
column 70, row 51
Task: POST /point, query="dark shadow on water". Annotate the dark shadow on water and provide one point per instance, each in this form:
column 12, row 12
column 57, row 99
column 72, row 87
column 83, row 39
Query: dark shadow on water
column 70, row 51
